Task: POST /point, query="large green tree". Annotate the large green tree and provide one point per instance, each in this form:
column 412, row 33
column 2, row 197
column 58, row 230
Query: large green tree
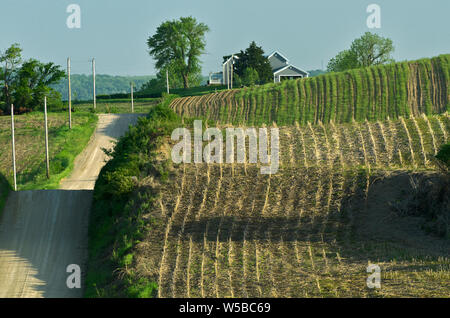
column 33, row 82
column 177, row 46
column 26, row 83
column 370, row 49
column 11, row 59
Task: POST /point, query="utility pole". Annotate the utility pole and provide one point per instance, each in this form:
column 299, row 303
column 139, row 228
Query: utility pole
column 70, row 93
column 167, row 82
column 46, row 138
column 132, row 101
column 93, row 79
column 232, row 64
column 228, row 75
column 13, row 147
column 223, row 74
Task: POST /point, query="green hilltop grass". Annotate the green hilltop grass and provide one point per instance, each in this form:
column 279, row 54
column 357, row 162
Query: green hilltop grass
column 372, row 93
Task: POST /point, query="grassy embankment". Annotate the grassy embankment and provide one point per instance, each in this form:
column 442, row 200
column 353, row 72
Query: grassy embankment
column 372, row 93
column 115, row 223
column 64, row 146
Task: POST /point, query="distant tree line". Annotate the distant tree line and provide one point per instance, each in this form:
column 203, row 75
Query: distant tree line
column 82, row 86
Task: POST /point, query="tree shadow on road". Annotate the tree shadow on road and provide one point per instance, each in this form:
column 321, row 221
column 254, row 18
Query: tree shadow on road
column 42, row 232
column 5, row 187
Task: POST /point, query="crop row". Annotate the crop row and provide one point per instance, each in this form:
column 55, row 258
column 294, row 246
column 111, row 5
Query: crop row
column 373, row 93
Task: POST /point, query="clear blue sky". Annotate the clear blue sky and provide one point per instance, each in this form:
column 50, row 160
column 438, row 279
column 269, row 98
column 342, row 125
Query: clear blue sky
column 309, row 32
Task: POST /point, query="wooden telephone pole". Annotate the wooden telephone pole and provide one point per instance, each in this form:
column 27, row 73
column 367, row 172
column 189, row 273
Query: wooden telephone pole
column 132, row 98
column 167, row 81
column 228, row 75
column 70, row 93
column 93, row 79
column 46, row 138
column 232, row 66
column 13, row 147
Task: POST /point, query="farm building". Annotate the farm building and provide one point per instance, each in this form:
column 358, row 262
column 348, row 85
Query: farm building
column 222, row 78
column 281, row 69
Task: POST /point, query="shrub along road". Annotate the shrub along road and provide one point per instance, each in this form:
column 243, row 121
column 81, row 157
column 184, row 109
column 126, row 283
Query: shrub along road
column 42, row 232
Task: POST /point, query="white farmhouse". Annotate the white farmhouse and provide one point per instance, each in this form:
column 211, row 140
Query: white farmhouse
column 282, row 69
column 280, row 65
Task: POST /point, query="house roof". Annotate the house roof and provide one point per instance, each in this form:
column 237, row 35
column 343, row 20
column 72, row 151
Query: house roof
column 235, row 56
column 278, row 54
column 292, row 67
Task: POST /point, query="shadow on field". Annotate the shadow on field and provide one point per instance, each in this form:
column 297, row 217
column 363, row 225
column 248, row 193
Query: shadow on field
column 389, row 225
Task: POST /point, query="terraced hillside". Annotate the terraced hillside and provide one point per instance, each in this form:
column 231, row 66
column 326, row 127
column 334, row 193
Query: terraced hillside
column 373, row 93
column 339, row 202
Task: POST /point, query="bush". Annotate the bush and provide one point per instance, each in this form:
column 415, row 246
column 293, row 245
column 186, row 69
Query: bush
column 118, row 183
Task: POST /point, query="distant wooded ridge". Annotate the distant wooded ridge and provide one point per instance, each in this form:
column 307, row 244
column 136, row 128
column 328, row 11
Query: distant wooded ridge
column 110, row 84
column 105, row 85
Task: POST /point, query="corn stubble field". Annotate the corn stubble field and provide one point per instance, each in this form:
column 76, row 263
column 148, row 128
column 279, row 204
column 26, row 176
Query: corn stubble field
column 358, row 184
column 311, row 229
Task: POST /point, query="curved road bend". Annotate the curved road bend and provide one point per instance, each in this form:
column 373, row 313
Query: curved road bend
column 44, row 231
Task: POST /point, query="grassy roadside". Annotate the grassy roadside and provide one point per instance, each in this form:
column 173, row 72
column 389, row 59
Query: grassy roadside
column 71, row 143
column 64, row 146
column 118, row 106
column 115, row 223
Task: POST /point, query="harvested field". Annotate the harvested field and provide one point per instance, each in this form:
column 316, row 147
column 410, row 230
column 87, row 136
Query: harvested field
column 311, row 230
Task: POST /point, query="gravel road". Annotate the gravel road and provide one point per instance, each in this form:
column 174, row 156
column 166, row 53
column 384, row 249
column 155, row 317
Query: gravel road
column 43, row 232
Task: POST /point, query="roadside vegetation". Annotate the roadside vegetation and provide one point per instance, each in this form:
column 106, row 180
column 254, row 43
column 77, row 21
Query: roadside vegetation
column 116, row 222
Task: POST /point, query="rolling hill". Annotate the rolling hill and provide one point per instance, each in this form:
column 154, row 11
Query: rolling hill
column 379, row 92
column 358, row 184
